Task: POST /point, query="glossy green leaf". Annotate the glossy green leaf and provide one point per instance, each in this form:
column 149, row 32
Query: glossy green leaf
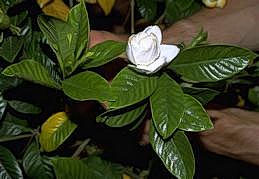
column 139, row 121
column 10, row 48
column 24, row 107
column 12, row 126
column 147, row 8
column 62, row 39
column 8, row 82
column 9, row 168
column 36, row 166
column 18, row 19
column 103, row 169
column 2, row 105
column 176, row 153
column 32, row 71
column 130, row 87
column 167, row 106
column 211, row 63
column 195, row 118
column 203, row 95
column 122, row 117
column 103, row 53
column 179, row 9
column 87, row 86
column 78, row 19
column 55, row 131
column 253, row 95
column 199, row 39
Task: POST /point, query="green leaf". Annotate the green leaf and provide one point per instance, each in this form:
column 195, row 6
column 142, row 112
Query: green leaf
column 167, row 106
column 24, row 107
column 2, row 106
column 103, row 53
column 62, row 38
column 18, row 19
column 147, row 9
column 32, row 71
column 78, row 19
column 8, row 82
column 203, row 95
column 87, row 86
column 199, row 39
column 12, row 126
column 129, row 88
column 176, row 153
column 253, row 95
column 55, row 131
column 5, row 4
column 10, row 48
column 122, row 117
column 103, row 169
column 9, row 168
column 36, row 166
column 195, row 118
column 139, row 121
column 179, row 9
column 211, row 63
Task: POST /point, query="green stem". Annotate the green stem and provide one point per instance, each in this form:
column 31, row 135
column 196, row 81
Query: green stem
column 132, row 4
column 81, row 148
column 11, row 138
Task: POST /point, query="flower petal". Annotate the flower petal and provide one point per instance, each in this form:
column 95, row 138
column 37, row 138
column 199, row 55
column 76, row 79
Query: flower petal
column 153, row 67
column 156, row 31
column 129, row 52
column 169, row 52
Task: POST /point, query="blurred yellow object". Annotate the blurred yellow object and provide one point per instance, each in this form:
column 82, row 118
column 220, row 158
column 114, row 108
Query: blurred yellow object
column 54, row 8
column 126, row 176
column 241, row 102
column 215, row 3
column 90, row 1
column 106, row 5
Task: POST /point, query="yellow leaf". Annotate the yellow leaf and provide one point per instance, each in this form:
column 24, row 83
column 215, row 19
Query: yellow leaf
column 106, row 5
column 90, row 1
column 54, row 8
column 126, row 176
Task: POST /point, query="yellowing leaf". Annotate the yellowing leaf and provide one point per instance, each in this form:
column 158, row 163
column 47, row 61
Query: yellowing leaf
column 55, row 131
column 54, row 8
column 106, row 5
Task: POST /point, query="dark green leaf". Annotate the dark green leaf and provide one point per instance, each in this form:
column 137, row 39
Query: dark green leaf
column 5, row 4
column 32, row 71
column 24, row 107
column 195, row 117
column 9, row 168
column 147, row 8
column 179, row 9
column 8, row 82
column 211, row 63
column 167, row 106
column 78, row 19
column 35, row 165
column 122, row 117
column 199, row 39
column 10, row 48
column 139, row 121
column 176, row 153
column 129, row 88
column 12, row 126
column 203, row 95
column 253, row 95
column 87, row 86
column 103, row 53
column 2, row 106
column 18, row 19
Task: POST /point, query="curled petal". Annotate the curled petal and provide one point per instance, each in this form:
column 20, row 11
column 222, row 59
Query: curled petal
column 169, row 52
column 153, row 67
column 156, row 31
column 129, row 52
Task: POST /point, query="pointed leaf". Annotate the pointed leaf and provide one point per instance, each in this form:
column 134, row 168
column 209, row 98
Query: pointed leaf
column 167, row 106
column 32, row 71
column 176, row 153
column 78, row 19
column 24, row 107
column 9, row 168
column 8, row 82
column 35, row 165
column 2, row 106
column 129, row 88
column 106, row 5
column 87, row 86
column 103, row 53
column 147, row 8
column 55, row 131
column 195, row 117
column 212, row 62
column 10, row 48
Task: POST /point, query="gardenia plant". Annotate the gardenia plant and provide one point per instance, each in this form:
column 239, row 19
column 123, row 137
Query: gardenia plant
column 129, row 98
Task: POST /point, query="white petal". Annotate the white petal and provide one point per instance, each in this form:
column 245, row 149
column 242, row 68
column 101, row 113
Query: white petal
column 156, row 31
column 153, row 67
column 169, row 52
column 129, row 52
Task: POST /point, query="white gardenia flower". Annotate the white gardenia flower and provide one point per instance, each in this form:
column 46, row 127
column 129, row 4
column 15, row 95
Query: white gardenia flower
column 147, row 53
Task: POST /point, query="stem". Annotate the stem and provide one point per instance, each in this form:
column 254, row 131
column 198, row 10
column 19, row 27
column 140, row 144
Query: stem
column 160, row 18
column 11, row 138
column 132, row 4
column 81, row 148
